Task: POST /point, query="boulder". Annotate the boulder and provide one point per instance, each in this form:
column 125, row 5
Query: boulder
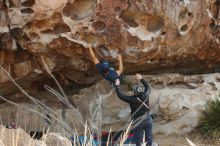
column 149, row 35
column 55, row 139
column 18, row 137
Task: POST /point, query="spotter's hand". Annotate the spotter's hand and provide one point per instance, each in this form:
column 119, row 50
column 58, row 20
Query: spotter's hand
column 117, row 82
column 138, row 77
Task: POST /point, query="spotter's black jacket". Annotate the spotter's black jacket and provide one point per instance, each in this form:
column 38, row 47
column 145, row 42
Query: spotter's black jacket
column 134, row 101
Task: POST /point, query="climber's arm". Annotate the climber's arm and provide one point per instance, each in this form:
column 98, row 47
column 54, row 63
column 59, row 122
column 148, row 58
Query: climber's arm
column 94, row 58
column 120, row 68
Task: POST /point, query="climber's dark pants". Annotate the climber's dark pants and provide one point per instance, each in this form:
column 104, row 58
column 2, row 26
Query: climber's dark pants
column 144, row 129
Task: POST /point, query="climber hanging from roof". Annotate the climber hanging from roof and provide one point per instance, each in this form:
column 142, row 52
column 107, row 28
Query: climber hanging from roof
column 107, row 72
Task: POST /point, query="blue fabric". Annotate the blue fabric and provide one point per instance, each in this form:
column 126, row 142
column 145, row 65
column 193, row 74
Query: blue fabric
column 82, row 139
column 105, row 64
column 130, row 140
column 145, row 127
column 110, row 76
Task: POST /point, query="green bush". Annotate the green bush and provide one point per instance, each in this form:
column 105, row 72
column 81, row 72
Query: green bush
column 210, row 121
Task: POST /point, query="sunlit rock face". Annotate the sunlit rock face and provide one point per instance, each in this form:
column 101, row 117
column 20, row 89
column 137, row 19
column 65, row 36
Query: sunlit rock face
column 17, row 137
column 42, row 36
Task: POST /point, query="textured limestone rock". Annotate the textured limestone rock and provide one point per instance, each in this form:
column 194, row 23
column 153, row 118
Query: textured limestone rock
column 157, row 37
column 1, row 143
column 17, row 137
column 39, row 143
column 54, row 139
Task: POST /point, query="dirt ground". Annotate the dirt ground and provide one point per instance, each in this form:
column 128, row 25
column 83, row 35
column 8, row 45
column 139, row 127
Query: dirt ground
column 173, row 140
